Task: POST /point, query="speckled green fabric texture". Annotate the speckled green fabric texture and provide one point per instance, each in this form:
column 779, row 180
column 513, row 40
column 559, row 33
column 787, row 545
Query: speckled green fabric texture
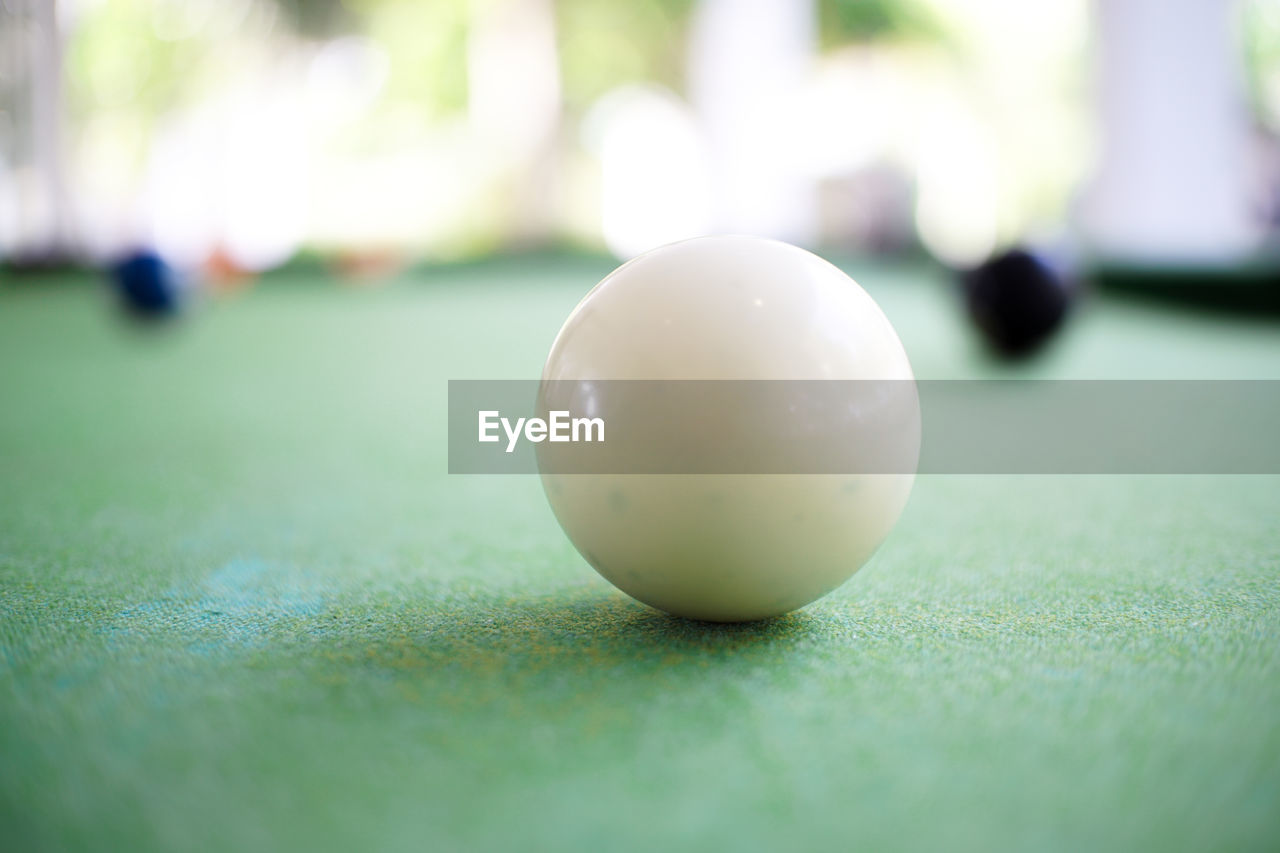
column 243, row 607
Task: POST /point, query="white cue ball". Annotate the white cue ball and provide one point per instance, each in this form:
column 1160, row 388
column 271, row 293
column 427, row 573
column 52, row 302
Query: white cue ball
column 728, row 547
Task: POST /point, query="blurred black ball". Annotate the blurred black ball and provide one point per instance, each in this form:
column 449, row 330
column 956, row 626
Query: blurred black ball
column 1017, row 299
column 147, row 286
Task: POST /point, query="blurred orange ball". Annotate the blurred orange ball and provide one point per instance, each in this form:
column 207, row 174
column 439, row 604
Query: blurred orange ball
column 224, row 274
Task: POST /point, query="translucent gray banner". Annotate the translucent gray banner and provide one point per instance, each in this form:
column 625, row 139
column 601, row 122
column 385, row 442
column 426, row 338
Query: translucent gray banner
column 864, row 427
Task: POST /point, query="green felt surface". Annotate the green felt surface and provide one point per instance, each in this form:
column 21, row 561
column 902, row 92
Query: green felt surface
column 243, row 607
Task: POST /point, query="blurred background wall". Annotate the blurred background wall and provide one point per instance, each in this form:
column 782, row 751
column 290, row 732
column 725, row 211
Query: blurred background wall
column 251, row 130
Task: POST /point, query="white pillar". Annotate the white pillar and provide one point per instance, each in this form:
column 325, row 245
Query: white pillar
column 513, row 82
column 747, row 62
column 33, row 41
column 1171, row 184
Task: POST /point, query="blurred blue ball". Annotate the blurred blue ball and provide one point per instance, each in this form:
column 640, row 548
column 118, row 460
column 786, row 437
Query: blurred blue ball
column 147, row 285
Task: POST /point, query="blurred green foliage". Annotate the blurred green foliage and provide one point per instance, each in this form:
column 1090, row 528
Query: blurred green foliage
column 116, row 61
column 320, row 18
column 1260, row 33
column 427, row 48
column 122, row 60
column 843, row 21
column 607, row 44
column 133, row 64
